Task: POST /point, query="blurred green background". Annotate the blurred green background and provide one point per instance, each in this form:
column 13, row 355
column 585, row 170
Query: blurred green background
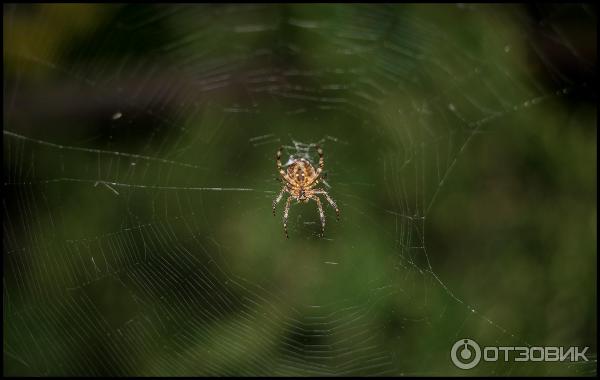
column 139, row 144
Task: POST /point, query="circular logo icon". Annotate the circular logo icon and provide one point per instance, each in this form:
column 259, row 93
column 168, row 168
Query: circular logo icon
column 465, row 354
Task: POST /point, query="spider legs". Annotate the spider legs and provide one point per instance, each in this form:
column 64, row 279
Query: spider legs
column 276, row 200
column 285, row 211
column 285, row 215
column 330, row 200
column 332, row 203
column 321, row 160
column 280, row 167
column 321, row 213
column 315, row 178
column 300, row 186
column 278, row 160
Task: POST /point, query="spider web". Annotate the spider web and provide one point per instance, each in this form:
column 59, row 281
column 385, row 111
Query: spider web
column 139, row 179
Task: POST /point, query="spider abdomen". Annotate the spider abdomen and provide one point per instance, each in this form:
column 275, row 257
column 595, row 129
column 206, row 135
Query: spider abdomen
column 301, row 171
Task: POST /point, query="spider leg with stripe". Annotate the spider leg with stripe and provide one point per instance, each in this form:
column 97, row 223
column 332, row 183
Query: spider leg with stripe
column 276, row 200
column 321, row 213
column 330, row 200
column 280, row 167
column 285, row 215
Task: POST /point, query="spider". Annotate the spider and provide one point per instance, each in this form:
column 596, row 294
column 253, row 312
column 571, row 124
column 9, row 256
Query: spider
column 299, row 181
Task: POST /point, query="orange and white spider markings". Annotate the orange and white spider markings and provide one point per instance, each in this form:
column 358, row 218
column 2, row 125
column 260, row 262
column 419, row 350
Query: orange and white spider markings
column 300, row 181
